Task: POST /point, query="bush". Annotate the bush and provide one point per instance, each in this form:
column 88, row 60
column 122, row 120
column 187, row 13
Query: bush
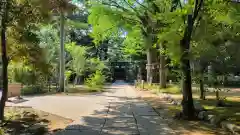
column 2, row 131
column 96, row 81
column 31, row 90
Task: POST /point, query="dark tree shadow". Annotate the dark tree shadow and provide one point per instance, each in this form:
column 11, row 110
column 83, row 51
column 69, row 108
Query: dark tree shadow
column 123, row 116
column 26, row 123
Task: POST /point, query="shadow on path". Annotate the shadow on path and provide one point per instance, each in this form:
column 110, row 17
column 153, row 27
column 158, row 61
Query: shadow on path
column 125, row 114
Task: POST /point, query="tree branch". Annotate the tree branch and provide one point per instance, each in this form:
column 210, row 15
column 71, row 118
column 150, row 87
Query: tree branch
column 198, row 22
column 131, row 19
column 197, row 9
column 146, row 8
column 141, row 4
column 115, row 5
column 130, row 6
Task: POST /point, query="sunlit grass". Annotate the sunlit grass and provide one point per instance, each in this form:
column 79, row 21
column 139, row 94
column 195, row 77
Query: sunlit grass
column 231, row 112
column 171, row 89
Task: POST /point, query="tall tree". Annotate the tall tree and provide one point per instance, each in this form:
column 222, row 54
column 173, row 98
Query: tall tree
column 4, row 19
column 13, row 21
column 189, row 14
column 137, row 16
column 60, row 8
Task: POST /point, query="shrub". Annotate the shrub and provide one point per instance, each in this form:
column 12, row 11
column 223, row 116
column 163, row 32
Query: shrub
column 2, row 131
column 31, row 90
column 96, row 81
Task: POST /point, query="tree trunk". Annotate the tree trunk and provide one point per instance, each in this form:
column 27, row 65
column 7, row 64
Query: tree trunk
column 4, row 62
column 75, row 80
column 149, row 66
column 217, row 95
column 162, row 70
column 62, row 54
column 139, row 78
column 49, row 84
column 201, row 83
column 187, row 102
column 79, row 80
column 202, row 91
column 155, row 71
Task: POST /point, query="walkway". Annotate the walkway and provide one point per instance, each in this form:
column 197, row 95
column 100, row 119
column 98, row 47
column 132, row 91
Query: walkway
column 116, row 112
column 125, row 114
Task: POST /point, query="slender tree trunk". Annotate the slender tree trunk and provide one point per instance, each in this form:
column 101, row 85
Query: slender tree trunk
column 202, row 91
column 4, row 61
column 75, row 80
column 162, row 70
column 201, row 83
column 79, row 80
column 139, row 73
column 187, row 102
column 217, row 95
column 49, row 84
column 62, row 54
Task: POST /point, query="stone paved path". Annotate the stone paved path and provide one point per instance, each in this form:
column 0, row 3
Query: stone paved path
column 116, row 112
column 125, row 114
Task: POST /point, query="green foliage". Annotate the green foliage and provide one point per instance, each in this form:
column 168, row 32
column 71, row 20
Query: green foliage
column 49, row 41
column 26, row 74
column 31, row 90
column 95, row 81
column 134, row 43
column 2, row 132
column 75, row 24
column 16, row 71
column 95, row 64
column 78, row 61
column 68, row 74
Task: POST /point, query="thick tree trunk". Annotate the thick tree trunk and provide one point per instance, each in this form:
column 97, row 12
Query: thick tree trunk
column 162, row 70
column 62, row 54
column 187, row 102
column 155, row 71
column 149, row 66
column 4, row 63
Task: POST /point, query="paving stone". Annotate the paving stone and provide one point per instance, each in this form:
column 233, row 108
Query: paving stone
column 88, row 123
column 77, row 132
column 120, row 131
column 143, row 109
column 108, row 113
column 152, row 125
column 120, row 122
column 123, row 110
column 74, row 127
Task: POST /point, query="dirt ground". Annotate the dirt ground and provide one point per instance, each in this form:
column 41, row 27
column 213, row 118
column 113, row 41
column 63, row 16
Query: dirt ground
column 21, row 119
column 182, row 127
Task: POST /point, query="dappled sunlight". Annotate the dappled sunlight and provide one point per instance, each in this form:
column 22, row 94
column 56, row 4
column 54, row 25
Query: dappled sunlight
column 179, row 126
column 124, row 114
column 116, row 67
